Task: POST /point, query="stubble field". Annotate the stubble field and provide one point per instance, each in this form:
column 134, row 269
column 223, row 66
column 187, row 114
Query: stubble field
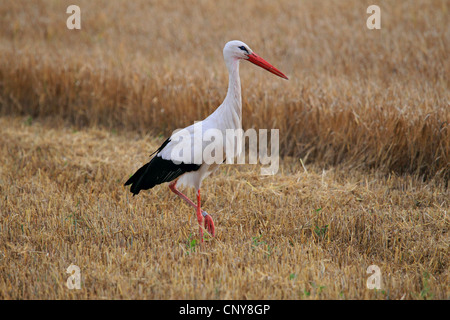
column 367, row 113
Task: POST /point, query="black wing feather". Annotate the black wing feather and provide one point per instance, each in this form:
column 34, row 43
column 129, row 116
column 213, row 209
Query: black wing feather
column 158, row 171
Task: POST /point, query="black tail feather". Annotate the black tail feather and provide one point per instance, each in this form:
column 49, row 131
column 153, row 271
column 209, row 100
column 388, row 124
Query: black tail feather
column 134, row 179
column 157, row 171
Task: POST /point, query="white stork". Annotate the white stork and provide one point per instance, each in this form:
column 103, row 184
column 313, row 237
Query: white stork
column 163, row 168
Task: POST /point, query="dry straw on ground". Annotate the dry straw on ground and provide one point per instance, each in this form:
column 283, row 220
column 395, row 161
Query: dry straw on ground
column 366, row 111
column 299, row 234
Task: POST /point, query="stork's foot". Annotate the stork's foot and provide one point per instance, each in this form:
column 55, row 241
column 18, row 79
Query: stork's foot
column 209, row 224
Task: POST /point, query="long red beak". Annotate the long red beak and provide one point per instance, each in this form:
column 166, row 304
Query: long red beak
column 255, row 59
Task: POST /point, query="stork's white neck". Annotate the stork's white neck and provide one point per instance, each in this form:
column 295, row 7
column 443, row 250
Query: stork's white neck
column 233, row 100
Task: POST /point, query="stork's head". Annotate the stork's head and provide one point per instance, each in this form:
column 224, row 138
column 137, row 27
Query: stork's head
column 238, row 50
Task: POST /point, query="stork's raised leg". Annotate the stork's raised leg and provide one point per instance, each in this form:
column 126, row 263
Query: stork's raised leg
column 199, row 215
column 209, row 223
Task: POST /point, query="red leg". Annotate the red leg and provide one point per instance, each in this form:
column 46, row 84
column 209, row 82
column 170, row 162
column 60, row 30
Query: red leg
column 199, row 215
column 174, row 189
column 209, row 223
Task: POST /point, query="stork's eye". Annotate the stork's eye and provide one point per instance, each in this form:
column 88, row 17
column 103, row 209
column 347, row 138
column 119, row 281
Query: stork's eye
column 243, row 48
